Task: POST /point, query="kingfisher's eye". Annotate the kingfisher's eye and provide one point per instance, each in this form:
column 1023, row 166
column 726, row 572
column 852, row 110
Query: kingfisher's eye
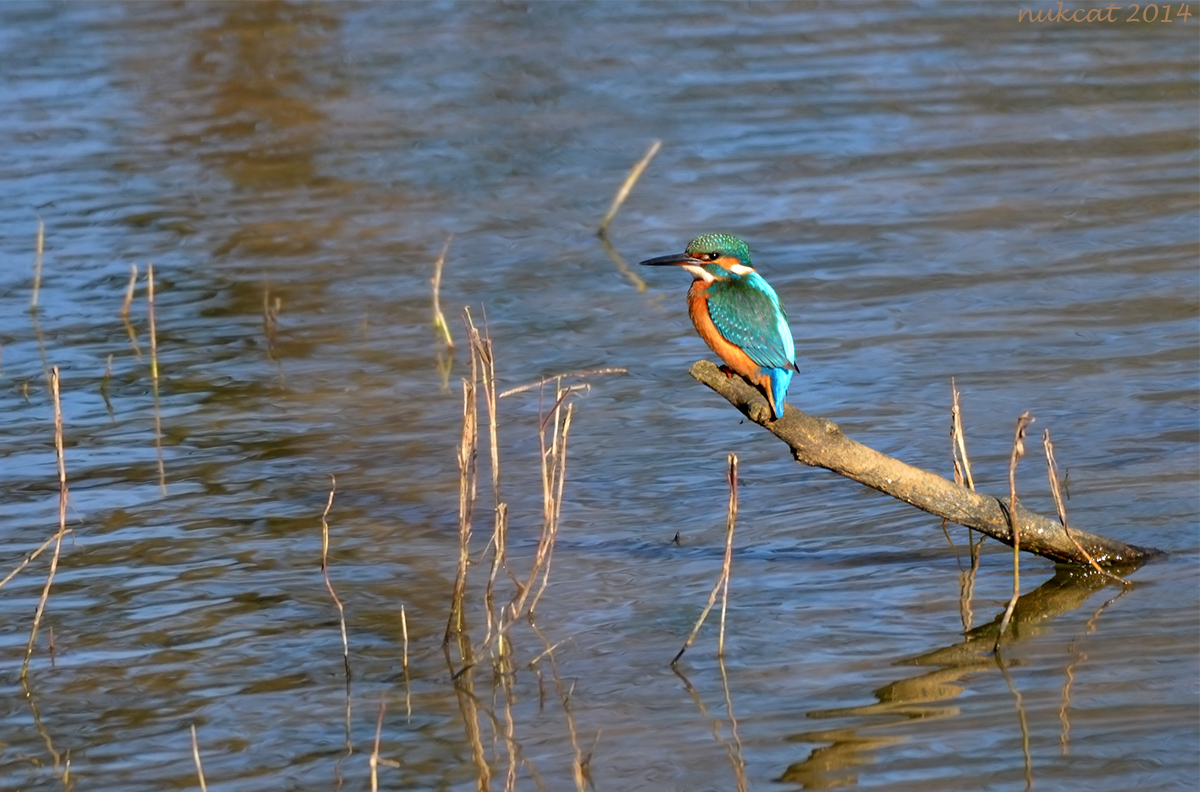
column 711, row 256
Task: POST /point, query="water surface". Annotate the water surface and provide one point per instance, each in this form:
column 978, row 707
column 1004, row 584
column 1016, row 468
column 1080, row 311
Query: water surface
column 935, row 191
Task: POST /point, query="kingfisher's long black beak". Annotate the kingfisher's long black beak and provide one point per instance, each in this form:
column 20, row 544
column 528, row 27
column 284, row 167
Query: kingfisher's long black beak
column 678, row 259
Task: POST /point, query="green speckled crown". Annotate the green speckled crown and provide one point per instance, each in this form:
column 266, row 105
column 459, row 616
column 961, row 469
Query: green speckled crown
column 725, row 244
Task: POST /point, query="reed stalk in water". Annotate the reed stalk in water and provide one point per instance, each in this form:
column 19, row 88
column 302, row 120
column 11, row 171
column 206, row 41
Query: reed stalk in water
column 162, row 472
column 62, row 518
column 627, row 186
column 325, row 574
column 196, row 759
column 1018, row 451
column 468, row 474
column 1061, row 506
column 723, row 579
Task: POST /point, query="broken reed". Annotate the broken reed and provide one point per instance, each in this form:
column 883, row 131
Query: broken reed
column 627, row 186
column 162, row 472
column 722, row 583
column 325, row 574
column 1018, row 451
column 553, row 431
column 196, row 760
column 62, row 518
column 1061, row 507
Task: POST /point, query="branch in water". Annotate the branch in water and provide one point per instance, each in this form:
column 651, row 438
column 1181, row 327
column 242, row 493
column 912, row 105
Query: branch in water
column 820, row 443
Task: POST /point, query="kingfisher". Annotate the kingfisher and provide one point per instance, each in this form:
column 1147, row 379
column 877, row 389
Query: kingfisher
column 738, row 314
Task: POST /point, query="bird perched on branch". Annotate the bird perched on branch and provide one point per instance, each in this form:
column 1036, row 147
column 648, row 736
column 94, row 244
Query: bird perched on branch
column 738, row 314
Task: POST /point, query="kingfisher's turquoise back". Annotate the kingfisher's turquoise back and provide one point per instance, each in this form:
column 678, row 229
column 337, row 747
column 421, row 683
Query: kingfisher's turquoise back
column 747, row 312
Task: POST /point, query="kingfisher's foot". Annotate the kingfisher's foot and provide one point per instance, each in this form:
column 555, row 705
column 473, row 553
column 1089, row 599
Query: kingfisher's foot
column 728, row 371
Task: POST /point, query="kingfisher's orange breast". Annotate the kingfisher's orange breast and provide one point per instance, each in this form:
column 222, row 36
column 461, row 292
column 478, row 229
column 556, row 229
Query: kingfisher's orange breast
column 733, row 356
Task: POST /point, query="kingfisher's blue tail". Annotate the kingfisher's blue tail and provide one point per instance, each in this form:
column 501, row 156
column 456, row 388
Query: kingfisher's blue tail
column 780, row 378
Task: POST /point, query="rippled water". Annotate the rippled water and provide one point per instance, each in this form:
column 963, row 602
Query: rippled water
column 935, row 190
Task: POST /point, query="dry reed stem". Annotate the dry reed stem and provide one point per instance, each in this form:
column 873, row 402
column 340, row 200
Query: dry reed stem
column 578, row 374
column 129, row 287
column 29, row 558
column 723, row 579
column 196, row 759
column 162, row 472
column 963, row 477
column 329, row 583
column 627, row 186
column 553, row 469
column 62, row 518
column 404, row 663
column 468, row 472
column 374, row 761
column 554, row 475
column 730, row 521
column 482, row 351
column 404, row 635
column 1061, row 506
column 439, row 319
column 958, row 441
column 37, row 265
column 1018, row 451
column 153, row 326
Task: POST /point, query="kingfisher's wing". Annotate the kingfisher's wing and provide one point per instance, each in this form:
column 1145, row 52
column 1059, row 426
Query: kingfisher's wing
column 747, row 312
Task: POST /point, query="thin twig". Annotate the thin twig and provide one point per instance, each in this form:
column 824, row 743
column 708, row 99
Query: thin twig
column 468, row 472
column 162, row 472
column 627, row 186
column 731, row 521
column 963, row 477
column 375, row 751
column 404, row 662
column 579, row 374
column 404, row 635
column 62, row 518
column 1018, row 451
column 723, row 580
column 958, row 439
column 29, row 558
column 553, row 505
column 196, row 759
column 325, row 574
column 1056, row 491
